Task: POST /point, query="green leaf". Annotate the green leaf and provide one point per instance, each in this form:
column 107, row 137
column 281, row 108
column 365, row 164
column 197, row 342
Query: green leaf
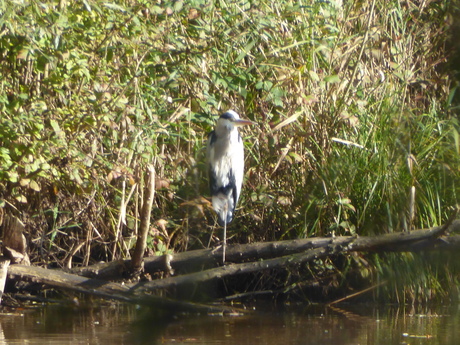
column 332, row 79
column 34, row 186
column 13, row 176
column 21, row 198
column 247, row 49
column 113, row 6
column 55, row 125
column 178, row 6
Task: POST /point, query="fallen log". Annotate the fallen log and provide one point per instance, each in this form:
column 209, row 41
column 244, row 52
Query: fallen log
column 58, row 279
column 337, row 245
column 199, row 260
column 265, row 256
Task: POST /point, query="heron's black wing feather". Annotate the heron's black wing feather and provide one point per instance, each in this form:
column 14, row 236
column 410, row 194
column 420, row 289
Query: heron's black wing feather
column 212, row 137
column 213, row 184
column 216, row 188
column 234, row 189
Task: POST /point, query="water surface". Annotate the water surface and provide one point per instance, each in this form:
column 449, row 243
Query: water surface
column 127, row 324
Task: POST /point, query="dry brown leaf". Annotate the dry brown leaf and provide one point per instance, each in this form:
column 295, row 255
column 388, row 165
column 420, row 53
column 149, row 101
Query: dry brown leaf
column 161, row 183
column 200, row 203
column 193, row 14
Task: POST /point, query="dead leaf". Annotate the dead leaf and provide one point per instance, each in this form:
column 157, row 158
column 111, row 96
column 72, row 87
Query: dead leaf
column 161, row 183
column 200, row 203
column 193, row 14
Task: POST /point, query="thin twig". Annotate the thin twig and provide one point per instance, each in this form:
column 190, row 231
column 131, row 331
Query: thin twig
column 357, row 293
column 137, row 260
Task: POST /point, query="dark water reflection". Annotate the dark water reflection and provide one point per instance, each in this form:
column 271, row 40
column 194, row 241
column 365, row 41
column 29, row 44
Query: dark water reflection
column 125, row 324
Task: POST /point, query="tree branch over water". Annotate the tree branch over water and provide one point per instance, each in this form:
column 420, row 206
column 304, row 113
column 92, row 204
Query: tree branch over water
column 249, row 258
column 288, row 253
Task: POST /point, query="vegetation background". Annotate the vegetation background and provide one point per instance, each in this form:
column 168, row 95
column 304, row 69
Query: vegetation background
column 356, row 103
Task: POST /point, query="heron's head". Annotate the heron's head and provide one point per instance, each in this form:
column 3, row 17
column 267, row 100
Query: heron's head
column 230, row 119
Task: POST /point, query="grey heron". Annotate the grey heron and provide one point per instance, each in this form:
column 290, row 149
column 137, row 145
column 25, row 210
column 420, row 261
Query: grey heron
column 225, row 157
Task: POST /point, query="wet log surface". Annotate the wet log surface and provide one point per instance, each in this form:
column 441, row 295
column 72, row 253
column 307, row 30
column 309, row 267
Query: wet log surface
column 202, row 266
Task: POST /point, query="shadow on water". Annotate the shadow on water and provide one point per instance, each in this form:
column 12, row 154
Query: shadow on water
column 127, row 324
column 322, row 325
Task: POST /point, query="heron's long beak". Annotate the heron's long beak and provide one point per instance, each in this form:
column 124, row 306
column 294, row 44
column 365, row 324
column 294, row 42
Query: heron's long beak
column 241, row 122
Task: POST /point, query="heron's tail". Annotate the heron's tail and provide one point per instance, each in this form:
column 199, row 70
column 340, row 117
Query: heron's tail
column 223, row 205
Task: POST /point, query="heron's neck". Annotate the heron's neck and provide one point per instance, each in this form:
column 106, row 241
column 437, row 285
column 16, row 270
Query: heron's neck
column 226, row 131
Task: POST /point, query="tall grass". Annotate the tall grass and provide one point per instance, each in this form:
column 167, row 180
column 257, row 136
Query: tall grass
column 353, row 102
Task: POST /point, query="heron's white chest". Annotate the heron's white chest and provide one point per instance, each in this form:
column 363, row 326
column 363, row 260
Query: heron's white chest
column 227, row 155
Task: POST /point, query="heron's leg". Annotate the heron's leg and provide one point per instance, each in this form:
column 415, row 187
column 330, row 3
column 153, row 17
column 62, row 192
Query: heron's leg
column 224, row 244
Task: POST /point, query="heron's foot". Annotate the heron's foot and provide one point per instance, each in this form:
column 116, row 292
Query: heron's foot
column 219, row 248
